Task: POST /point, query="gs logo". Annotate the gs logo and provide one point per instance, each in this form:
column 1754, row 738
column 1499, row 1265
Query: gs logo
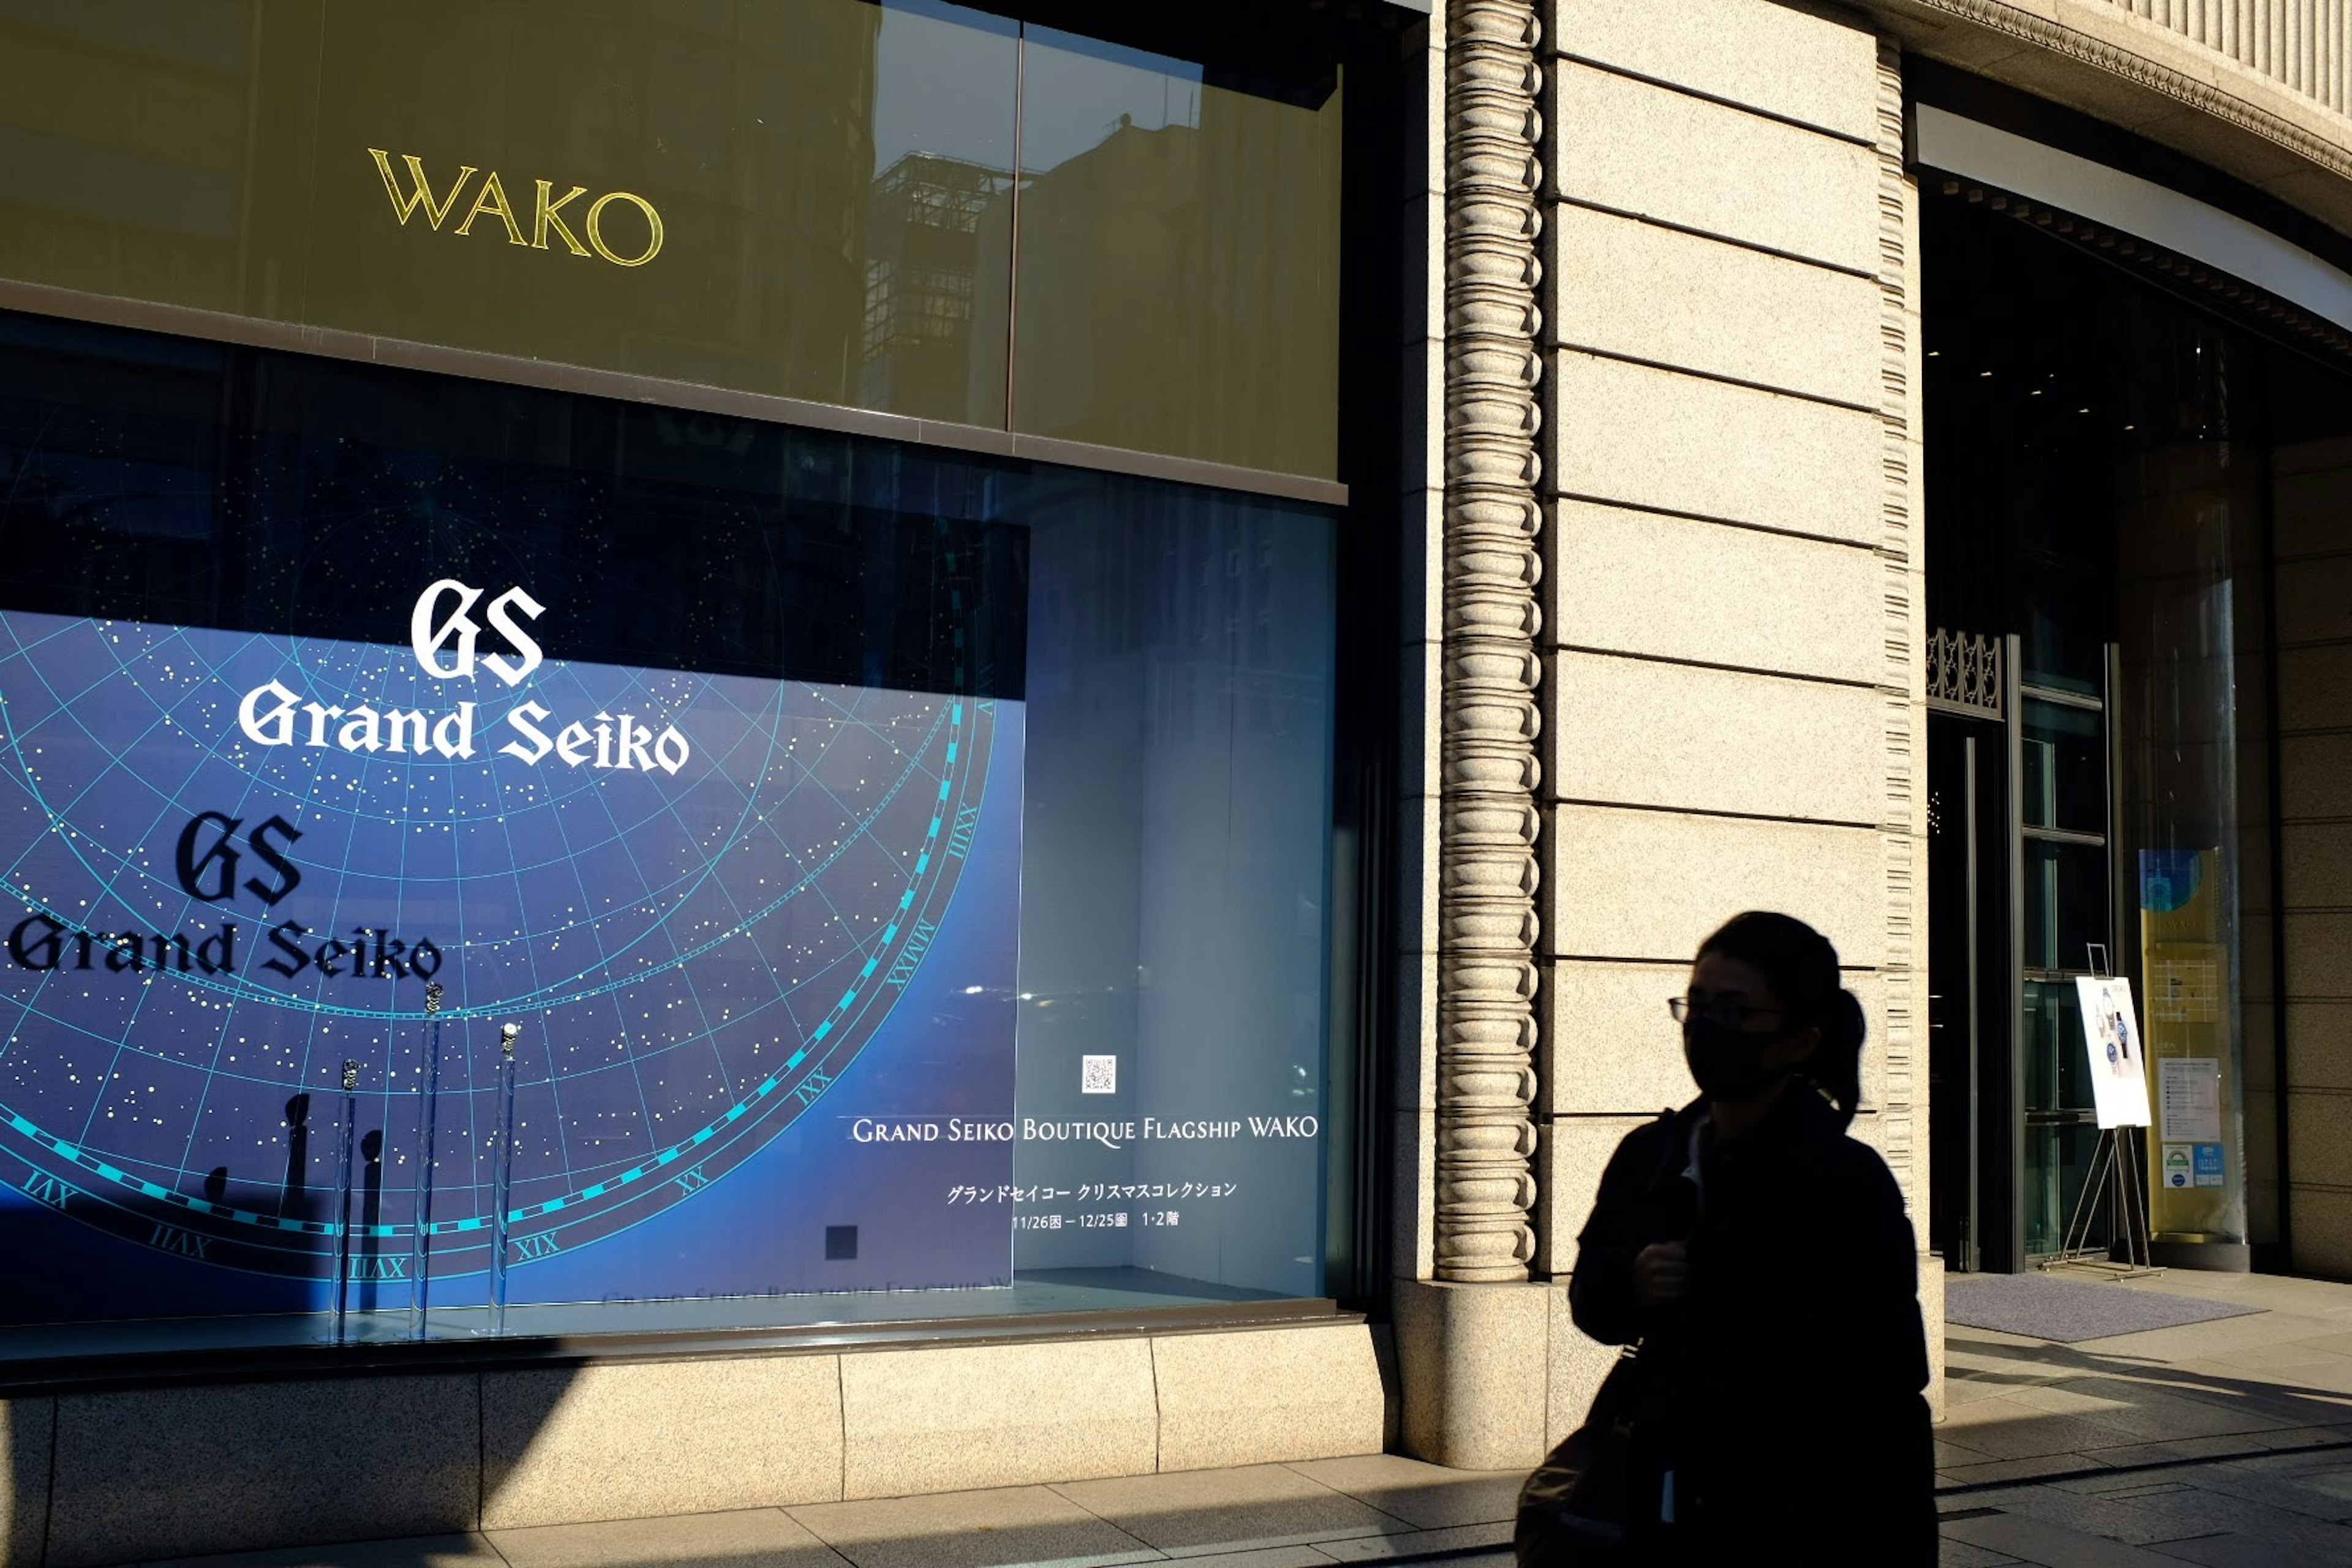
column 207, row 859
column 431, row 639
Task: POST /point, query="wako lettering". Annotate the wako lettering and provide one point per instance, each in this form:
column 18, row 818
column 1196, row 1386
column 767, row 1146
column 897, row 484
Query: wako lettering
column 490, row 200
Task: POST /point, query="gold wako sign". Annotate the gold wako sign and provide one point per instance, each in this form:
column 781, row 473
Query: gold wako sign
column 490, row 197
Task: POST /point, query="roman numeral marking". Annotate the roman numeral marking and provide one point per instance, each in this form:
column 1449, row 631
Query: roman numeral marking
column 186, row 1244
column 379, row 1268
column 918, row 942
column 693, row 1179
column 809, row 1088
column 43, row 1188
column 530, row 1246
column 967, row 823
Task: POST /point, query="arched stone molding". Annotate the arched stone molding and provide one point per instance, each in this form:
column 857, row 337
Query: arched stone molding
column 2255, row 102
column 1488, row 819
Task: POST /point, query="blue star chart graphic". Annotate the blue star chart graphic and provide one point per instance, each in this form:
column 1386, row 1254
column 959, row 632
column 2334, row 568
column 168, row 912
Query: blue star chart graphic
column 724, row 911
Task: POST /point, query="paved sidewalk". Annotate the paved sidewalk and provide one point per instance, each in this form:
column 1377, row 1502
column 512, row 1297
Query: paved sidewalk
column 1380, row 1508
column 2221, row 1443
column 2224, row 1443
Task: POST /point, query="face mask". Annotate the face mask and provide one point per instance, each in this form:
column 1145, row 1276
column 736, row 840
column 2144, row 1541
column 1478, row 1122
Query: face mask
column 1726, row 1064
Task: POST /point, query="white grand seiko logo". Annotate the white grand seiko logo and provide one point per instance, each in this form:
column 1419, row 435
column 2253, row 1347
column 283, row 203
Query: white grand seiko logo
column 446, row 649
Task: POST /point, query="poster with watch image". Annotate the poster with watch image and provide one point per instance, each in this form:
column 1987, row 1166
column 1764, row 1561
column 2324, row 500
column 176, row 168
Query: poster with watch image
column 2118, row 1062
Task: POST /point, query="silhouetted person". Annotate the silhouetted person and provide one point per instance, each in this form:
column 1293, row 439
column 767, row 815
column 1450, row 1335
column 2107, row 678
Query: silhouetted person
column 293, row 1195
column 364, row 1263
column 1761, row 1260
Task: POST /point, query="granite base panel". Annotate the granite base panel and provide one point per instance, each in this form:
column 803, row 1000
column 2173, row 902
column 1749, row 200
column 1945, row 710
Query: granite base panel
column 143, row 1475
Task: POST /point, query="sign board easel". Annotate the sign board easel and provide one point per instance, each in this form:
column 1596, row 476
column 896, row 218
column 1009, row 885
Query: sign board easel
column 2116, row 1057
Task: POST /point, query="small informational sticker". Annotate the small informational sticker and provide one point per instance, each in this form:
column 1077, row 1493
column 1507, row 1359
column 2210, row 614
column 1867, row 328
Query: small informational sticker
column 2209, row 1164
column 2179, row 1165
column 1099, row 1075
column 2191, row 1095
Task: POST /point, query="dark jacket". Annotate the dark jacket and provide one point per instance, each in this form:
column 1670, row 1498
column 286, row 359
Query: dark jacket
column 1785, row 1390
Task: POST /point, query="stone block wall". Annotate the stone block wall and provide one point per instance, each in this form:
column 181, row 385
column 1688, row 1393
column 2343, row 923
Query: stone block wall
column 1666, row 615
column 2311, row 495
column 1733, row 709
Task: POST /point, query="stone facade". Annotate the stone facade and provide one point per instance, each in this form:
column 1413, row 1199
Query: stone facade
column 1727, row 485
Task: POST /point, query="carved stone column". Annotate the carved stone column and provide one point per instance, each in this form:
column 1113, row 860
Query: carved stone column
column 1488, row 819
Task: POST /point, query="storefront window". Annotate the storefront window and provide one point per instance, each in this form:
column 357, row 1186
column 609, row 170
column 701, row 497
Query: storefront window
column 903, row 876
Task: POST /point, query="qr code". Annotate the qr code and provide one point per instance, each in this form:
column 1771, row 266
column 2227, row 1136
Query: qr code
column 1099, row 1075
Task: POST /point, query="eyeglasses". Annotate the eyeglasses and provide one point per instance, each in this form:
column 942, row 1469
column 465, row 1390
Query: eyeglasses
column 1730, row 1015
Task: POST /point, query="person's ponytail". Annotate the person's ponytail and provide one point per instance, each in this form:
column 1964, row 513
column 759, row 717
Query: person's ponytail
column 1836, row 1065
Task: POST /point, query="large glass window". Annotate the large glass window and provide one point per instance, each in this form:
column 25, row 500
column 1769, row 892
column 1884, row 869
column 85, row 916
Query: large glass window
column 821, row 199
column 679, row 871
column 1178, row 265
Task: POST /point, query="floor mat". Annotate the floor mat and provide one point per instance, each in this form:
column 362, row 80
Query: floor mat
column 2045, row 1307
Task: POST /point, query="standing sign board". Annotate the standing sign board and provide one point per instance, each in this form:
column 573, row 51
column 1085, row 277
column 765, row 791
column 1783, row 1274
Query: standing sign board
column 2119, row 1065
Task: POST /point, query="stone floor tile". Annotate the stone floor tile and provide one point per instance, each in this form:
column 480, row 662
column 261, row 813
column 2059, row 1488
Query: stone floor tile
column 2325, row 1495
column 1426, row 1496
column 2273, row 1395
column 971, row 1530
column 2027, row 1469
column 2031, row 1435
column 1950, row 1453
column 2141, row 1520
column 2340, row 1342
column 2306, row 1436
column 2333, row 1456
column 2086, row 1396
column 2226, row 1552
column 2048, row 1545
column 1992, row 1410
column 2284, row 1356
column 2327, row 1383
column 2191, row 1341
column 1463, row 1539
column 1960, row 1555
column 1248, row 1506
column 414, row 1551
column 2104, row 1515
column 746, row 1538
column 1961, row 1391
column 2120, row 1483
column 1261, row 1557
column 2167, row 1449
column 2154, row 1418
column 2296, row 1537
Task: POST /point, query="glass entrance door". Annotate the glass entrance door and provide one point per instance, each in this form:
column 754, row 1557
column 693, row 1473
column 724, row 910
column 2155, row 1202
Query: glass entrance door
column 2065, row 909
column 2021, row 879
column 1968, row 1005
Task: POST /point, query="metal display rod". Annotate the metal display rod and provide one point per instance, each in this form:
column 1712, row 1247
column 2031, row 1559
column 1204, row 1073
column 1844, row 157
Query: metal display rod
column 502, row 1182
column 420, row 1255
column 344, row 1198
